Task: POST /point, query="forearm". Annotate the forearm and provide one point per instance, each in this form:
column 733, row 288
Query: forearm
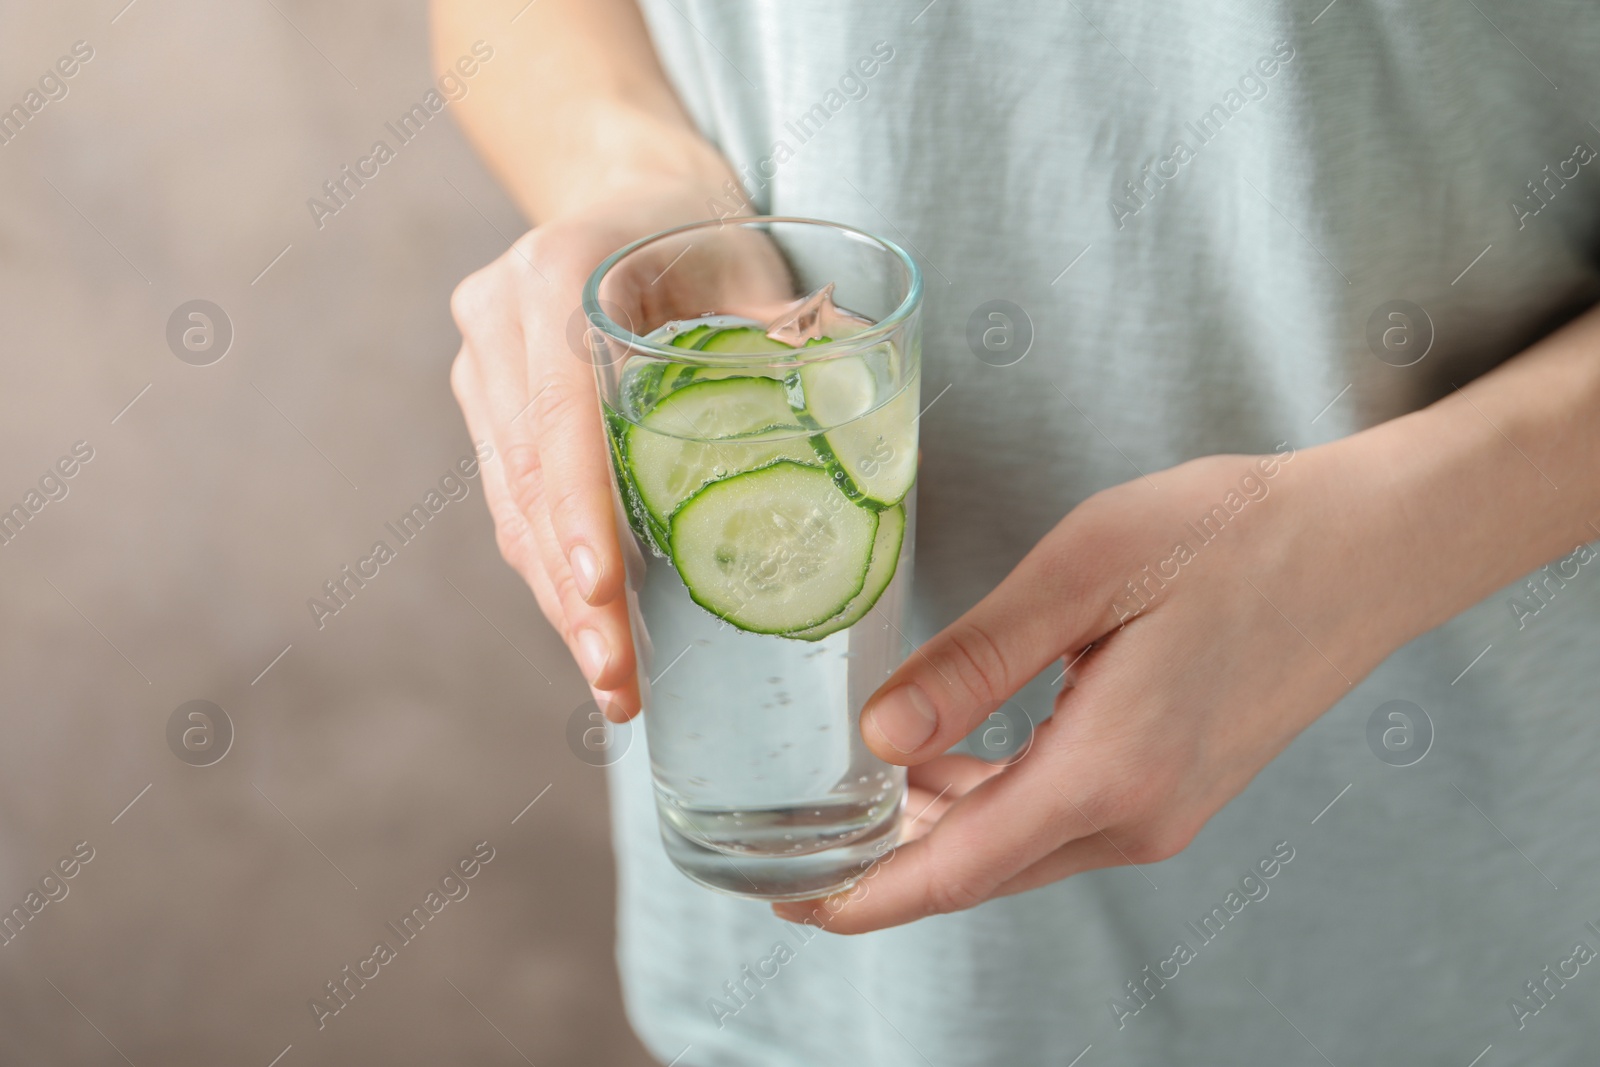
column 580, row 110
column 1450, row 503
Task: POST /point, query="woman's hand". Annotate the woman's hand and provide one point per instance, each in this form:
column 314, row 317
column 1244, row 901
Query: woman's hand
column 579, row 123
column 1208, row 614
column 526, row 385
column 1228, row 602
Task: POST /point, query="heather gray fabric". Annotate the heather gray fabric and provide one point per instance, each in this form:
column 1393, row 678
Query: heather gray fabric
column 1223, row 308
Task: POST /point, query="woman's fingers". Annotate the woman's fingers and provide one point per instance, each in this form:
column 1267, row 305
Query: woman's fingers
column 573, row 450
column 976, row 663
column 951, row 775
column 1085, row 854
column 491, row 381
column 513, row 535
column 597, row 636
column 1002, row 826
column 512, row 306
column 923, row 811
column 556, row 458
column 1076, row 802
column 936, row 785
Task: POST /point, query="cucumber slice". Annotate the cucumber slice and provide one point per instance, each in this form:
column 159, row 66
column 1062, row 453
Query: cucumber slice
column 747, row 339
column 676, row 377
column 659, row 380
column 639, row 518
column 881, row 571
column 641, row 385
column 683, row 374
column 873, row 458
column 690, row 338
column 706, row 431
column 774, row 550
column 831, row 392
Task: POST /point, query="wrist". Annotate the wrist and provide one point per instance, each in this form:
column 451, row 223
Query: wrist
column 1383, row 517
column 628, row 208
column 607, row 150
column 1332, row 557
column 1427, row 514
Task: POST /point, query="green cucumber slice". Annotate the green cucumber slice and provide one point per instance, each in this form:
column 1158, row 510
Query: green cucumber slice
column 676, row 377
column 880, row 572
column 706, row 431
column 774, row 550
column 639, row 518
column 873, row 458
column 659, row 380
column 683, row 374
column 690, row 338
column 738, row 339
column 831, row 392
column 641, row 385
column 746, row 339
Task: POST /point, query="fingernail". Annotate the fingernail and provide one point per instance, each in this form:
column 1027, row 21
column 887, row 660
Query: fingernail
column 585, row 568
column 607, row 706
column 593, row 654
column 904, row 718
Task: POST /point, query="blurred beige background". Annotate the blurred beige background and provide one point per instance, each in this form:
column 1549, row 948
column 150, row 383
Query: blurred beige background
column 377, row 751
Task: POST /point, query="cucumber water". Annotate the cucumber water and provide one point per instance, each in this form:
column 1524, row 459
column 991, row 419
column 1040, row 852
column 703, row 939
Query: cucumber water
column 771, row 489
column 760, row 391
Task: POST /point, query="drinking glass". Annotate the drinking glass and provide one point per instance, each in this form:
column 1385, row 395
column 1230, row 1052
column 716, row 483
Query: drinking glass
column 766, row 504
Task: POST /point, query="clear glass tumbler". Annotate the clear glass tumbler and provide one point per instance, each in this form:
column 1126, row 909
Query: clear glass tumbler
column 759, row 380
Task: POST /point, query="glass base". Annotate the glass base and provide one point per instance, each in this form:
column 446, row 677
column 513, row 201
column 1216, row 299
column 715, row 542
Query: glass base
column 782, row 877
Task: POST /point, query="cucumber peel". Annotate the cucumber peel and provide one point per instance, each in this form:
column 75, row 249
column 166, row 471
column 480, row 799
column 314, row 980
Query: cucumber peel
column 880, row 572
column 690, row 338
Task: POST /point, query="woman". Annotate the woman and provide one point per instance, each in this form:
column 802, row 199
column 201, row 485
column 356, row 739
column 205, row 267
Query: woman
column 1301, row 448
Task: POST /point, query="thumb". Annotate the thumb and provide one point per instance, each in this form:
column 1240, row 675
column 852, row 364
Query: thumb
column 1043, row 609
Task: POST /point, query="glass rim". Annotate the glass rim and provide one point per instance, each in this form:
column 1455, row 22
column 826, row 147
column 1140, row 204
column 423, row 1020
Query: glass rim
column 855, row 342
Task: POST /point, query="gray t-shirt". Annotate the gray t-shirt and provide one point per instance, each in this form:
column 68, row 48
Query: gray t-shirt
column 1200, row 206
